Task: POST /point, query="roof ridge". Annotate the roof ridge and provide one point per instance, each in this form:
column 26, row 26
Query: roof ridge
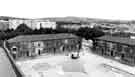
column 41, row 37
column 117, row 39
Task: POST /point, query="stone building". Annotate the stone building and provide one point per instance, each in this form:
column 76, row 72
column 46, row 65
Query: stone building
column 34, row 45
column 117, row 48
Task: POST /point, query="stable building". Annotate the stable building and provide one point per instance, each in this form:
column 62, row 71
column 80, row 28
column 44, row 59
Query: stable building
column 34, row 45
column 118, row 48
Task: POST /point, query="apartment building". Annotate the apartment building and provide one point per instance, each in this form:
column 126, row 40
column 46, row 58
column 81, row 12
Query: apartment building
column 37, row 24
column 14, row 23
column 32, row 23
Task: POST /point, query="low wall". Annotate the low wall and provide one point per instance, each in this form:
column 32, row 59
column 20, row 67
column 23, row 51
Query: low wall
column 16, row 70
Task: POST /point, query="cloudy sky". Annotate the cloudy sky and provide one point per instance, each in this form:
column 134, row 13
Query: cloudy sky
column 107, row 9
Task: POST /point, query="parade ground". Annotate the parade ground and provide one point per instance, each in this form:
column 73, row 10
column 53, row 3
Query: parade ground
column 88, row 65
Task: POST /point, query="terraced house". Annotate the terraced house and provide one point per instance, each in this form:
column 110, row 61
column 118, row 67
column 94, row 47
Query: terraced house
column 118, row 48
column 33, row 45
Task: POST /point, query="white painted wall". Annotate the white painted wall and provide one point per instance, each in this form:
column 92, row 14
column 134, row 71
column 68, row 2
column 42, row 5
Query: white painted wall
column 34, row 24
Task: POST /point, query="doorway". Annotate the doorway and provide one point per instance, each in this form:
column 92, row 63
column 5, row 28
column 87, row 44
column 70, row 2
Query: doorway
column 38, row 51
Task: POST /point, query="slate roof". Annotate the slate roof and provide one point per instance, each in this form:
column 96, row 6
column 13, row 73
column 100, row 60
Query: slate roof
column 41, row 37
column 122, row 40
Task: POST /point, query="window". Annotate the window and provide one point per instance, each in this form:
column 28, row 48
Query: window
column 100, row 43
column 14, row 49
column 72, row 40
column 66, row 41
column 39, row 44
column 127, row 49
column 119, row 47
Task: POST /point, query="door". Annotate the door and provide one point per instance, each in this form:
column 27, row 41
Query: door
column 37, row 51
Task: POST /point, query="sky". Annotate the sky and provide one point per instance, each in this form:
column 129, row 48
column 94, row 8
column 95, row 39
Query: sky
column 106, row 9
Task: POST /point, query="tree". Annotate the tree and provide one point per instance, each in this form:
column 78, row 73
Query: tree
column 23, row 29
column 89, row 33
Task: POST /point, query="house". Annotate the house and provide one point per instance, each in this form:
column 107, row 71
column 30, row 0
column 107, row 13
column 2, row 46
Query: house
column 117, row 48
column 34, row 45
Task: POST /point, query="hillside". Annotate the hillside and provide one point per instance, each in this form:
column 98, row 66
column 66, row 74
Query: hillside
column 76, row 19
column 88, row 20
column 82, row 20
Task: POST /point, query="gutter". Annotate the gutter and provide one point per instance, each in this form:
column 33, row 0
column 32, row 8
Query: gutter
column 18, row 72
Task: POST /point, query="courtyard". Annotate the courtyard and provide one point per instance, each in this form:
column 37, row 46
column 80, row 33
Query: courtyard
column 88, row 65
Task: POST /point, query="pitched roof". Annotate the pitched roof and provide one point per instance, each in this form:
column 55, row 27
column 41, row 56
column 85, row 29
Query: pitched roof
column 41, row 37
column 122, row 40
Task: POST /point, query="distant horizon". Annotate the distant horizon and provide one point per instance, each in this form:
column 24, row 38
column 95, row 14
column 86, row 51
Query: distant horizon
column 99, row 9
column 69, row 17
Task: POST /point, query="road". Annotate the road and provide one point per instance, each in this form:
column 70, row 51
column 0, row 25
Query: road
column 6, row 69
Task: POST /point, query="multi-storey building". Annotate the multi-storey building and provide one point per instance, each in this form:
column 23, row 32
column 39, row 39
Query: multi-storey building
column 32, row 23
column 32, row 45
column 37, row 24
column 14, row 23
column 118, row 48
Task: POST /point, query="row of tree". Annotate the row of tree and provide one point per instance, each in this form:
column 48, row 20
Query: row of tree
column 23, row 29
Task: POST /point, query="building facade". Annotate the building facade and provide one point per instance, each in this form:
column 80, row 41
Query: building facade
column 32, row 23
column 14, row 23
column 117, row 48
column 75, row 26
column 34, row 45
column 37, row 24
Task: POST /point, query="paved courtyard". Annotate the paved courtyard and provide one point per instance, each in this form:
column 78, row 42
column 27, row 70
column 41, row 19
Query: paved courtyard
column 88, row 65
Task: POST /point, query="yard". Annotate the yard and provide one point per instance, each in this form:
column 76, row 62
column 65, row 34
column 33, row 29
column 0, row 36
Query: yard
column 88, row 65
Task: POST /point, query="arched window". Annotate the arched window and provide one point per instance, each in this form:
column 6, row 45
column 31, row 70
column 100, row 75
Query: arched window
column 14, row 52
column 14, row 48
